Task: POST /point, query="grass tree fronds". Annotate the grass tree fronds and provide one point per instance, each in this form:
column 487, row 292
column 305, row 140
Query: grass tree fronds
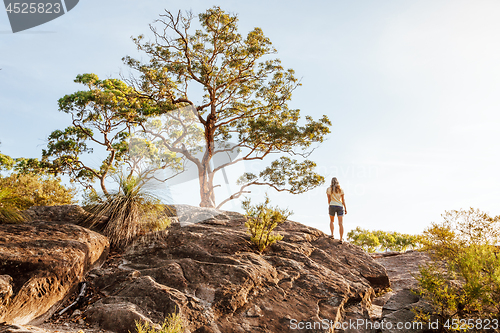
column 129, row 212
column 9, row 212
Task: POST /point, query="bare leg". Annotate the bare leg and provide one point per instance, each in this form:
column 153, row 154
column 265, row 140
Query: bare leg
column 341, row 227
column 331, row 223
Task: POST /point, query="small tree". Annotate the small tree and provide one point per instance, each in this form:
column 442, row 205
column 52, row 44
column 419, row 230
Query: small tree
column 364, row 238
column 464, row 283
column 261, row 221
column 129, row 211
column 102, row 119
column 6, row 162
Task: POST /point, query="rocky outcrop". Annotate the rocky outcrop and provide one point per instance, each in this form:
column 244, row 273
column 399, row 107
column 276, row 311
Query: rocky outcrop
column 211, row 274
column 396, row 306
column 40, row 263
column 204, row 268
column 57, row 214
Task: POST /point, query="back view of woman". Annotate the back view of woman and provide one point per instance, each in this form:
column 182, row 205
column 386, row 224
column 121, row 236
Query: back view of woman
column 337, row 206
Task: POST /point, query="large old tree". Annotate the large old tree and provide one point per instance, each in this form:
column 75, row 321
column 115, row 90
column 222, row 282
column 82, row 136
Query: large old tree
column 243, row 100
column 201, row 94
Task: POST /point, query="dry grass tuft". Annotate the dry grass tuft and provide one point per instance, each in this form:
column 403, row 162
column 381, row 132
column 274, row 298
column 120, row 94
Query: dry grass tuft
column 9, row 212
column 172, row 324
column 131, row 211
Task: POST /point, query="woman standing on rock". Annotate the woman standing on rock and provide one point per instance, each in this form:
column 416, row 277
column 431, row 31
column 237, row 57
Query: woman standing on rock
column 336, row 201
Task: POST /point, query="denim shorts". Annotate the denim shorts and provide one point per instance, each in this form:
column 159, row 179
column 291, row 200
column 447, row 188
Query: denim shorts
column 336, row 209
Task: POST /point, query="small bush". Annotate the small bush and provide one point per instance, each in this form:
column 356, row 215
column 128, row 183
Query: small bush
column 37, row 190
column 378, row 240
column 261, row 221
column 464, row 282
column 130, row 212
column 172, row 324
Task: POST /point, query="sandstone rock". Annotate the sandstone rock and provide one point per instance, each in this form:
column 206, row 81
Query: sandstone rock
column 400, row 300
column 405, row 317
column 187, row 215
column 357, row 320
column 5, row 289
column 6, row 328
column 44, row 262
column 382, row 299
column 403, row 267
column 254, row 311
column 57, row 214
column 397, row 305
column 212, row 275
column 401, row 321
column 118, row 317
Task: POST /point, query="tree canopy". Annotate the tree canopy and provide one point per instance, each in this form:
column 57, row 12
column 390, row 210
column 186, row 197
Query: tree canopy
column 244, row 101
column 102, row 118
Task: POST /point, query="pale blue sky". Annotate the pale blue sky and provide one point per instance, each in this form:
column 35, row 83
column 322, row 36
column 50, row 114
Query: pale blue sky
column 410, row 87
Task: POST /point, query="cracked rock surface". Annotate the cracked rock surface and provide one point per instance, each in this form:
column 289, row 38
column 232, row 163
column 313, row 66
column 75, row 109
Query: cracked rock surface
column 211, row 274
column 397, row 305
column 40, row 263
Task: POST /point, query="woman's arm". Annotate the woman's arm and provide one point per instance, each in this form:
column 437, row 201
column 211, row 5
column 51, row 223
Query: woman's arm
column 328, row 195
column 343, row 202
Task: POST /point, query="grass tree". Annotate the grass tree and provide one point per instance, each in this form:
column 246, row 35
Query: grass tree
column 128, row 211
column 9, row 211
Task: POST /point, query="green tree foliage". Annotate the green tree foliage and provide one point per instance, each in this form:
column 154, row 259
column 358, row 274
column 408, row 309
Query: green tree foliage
column 6, row 162
column 130, row 211
column 102, row 119
column 245, row 100
column 241, row 107
column 36, row 190
column 98, row 120
column 261, row 221
column 378, row 240
column 26, row 184
column 464, row 282
column 459, row 229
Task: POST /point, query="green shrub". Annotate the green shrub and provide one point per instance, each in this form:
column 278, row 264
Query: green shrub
column 378, row 240
column 129, row 212
column 172, row 324
column 464, row 281
column 261, row 221
column 37, row 190
column 6, row 162
column 22, row 191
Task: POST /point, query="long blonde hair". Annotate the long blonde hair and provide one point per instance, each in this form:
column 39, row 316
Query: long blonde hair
column 335, row 185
